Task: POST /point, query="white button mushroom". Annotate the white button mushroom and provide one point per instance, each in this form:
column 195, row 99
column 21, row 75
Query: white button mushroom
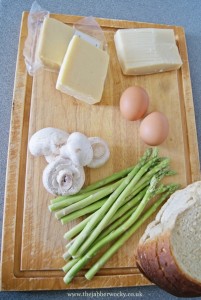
column 62, row 177
column 47, row 142
column 50, row 158
column 101, row 152
column 78, row 148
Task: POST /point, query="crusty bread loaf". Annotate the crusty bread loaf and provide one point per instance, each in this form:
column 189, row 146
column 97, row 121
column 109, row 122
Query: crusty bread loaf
column 169, row 252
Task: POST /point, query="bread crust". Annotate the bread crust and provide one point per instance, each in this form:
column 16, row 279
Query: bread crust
column 156, row 261
column 186, row 285
column 147, row 259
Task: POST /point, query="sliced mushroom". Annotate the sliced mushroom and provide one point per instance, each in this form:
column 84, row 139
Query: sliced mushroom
column 78, row 148
column 101, row 152
column 47, row 142
column 51, row 157
column 62, row 177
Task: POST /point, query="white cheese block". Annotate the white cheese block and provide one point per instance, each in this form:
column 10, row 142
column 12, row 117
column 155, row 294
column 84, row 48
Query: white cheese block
column 83, row 71
column 53, row 42
column 146, row 50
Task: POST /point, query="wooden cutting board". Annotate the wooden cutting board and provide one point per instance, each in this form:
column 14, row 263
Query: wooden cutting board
column 32, row 238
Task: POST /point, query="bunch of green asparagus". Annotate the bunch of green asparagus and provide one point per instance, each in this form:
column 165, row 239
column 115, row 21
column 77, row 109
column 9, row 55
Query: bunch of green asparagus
column 114, row 208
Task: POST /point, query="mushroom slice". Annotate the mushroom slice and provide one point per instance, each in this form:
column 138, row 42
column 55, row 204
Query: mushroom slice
column 51, row 157
column 47, row 141
column 62, row 177
column 101, row 152
column 78, row 148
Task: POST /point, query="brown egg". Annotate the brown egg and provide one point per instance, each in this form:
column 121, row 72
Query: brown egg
column 154, row 128
column 134, row 103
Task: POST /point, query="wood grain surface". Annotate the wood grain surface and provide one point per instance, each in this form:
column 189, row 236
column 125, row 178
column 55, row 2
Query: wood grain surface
column 32, row 243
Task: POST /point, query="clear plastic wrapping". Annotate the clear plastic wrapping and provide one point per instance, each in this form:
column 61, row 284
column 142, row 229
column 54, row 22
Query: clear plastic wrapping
column 86, row 28
column 35, row 21
column 89, row 26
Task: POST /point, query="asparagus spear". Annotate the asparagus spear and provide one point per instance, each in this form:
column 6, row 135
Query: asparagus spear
column 103, row 210
column 86, row 210
column 61, row 200
column 70, row 264
column 97, row 195
column 66, row 256
column 77, row 228
column 101, row 261
column 80, row 263
column 116, row 224
column 67, row 200
column 86, row 241
column 70, row 243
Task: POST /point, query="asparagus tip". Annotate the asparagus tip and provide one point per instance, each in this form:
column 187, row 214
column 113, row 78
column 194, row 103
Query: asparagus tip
column 155, row 152
column 146, row 155
column 170, row 173
column 173, row 187
column 153, row 183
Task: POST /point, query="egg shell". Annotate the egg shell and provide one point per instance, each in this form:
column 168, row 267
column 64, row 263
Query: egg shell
column 134, row 103
column 154, row 128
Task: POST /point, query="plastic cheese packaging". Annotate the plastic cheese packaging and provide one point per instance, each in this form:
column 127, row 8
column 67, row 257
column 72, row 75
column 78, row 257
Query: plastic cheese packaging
column 83, row 71
column 53, row 42
column 146, row 50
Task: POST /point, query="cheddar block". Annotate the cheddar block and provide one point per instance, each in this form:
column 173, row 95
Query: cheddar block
column 146, row 50
column 83, row 71
column 53, row 42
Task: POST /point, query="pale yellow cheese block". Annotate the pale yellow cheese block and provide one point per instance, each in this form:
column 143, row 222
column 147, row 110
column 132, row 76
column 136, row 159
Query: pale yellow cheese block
column 83, row 71
column 146, row 50
column 53, row 42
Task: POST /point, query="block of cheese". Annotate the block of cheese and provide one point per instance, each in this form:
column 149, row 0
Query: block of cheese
column 83, row 71
column 53, row 42
column 146, row 50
